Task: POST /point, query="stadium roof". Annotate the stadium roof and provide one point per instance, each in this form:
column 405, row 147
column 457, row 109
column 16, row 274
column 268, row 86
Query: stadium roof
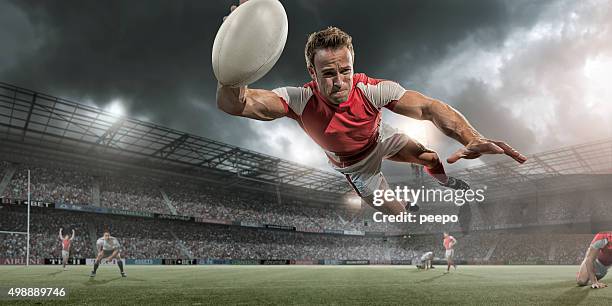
column 40, row 119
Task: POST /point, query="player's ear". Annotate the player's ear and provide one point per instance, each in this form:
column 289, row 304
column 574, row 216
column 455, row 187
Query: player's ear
column 312, row 72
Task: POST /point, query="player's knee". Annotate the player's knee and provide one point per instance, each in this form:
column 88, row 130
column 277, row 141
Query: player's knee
column 582, row 282
column 432, row 160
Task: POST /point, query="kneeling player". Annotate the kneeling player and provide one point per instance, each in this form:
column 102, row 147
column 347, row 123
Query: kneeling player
column 596, row 261
column 426, row 260
column 108, row 247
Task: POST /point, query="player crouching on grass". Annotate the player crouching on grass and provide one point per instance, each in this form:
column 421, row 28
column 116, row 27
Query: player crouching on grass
column 108, row 247
column 426, row 260
column 596, row 261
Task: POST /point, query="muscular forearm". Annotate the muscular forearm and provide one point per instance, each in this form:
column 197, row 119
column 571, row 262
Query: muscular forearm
column 251, row 103
column 451, row 122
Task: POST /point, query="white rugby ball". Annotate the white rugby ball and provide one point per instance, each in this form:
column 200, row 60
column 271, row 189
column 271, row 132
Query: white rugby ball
column 249, row 42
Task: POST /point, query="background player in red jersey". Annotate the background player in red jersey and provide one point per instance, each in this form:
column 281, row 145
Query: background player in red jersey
column 449, row 245
column 596, row 262
column 341, row 111
column 66, row 241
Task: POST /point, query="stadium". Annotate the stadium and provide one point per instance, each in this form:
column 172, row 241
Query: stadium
column 134, row 170
column 164, row 194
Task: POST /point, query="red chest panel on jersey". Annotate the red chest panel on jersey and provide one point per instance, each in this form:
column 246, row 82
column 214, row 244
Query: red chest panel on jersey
column 344, row 129
column 66, row 244
column 447, row 242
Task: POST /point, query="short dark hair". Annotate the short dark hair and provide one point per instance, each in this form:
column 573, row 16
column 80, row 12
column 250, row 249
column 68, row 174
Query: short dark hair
column 329, row 38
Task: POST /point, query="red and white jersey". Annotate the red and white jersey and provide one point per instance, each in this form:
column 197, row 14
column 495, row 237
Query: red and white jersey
column 66, row 244
column 449, row 242
column 347, row 132
column 603, row 243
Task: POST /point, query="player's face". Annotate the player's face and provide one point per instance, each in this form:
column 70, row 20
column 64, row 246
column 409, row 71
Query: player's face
column 106, row 236
column 333, row 73
column 65, row 236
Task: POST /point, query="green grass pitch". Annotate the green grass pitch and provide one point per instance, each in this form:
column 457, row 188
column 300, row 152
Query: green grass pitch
column 309, row 285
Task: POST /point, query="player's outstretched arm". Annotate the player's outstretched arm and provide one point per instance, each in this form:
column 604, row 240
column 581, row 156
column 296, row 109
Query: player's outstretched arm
column 256, row 104
column 60, row 234
column 448, row 120
column 72, row 237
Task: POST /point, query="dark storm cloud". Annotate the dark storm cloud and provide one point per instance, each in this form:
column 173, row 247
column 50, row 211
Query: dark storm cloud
column 155, row 56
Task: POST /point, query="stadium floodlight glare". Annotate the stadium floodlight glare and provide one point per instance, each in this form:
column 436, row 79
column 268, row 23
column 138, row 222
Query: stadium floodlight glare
column 353, row 201
column 116, row 108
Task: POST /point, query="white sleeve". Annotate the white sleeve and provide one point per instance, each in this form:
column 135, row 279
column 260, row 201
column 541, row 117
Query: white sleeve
column 382, row 93
column 296, row 97
column 100, row 244
column 599, row 244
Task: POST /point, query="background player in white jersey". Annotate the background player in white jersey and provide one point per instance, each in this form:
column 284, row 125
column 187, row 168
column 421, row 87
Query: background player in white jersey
column 449, row 245
column 109, row 248
column 426, row 260
column 66, row 241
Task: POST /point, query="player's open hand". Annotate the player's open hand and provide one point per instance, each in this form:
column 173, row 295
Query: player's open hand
column 598, row 285
column 480, row 146
column 233, row 7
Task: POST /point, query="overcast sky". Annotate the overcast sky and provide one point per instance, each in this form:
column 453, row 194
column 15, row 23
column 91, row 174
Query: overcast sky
column 533, row 73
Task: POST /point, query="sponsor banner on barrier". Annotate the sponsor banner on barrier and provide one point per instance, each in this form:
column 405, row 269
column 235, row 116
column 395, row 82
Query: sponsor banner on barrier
column 244, row 262
column 21, row 261
column 282, row 227
column 213, row 221
column 250, row 224
column 59, row 261
column 91, row 261
column 206, row 261
column 274, row 262
column 304, row 262
column 173, row 217
column 85, row 208
column 401, row 262
column 19, row 202
column 143, row 261
column 333, row 231
column 329, row 262
column 179, row 261
column 356, row 262
column 122, row 212
column 354, row 232
column 309, row 229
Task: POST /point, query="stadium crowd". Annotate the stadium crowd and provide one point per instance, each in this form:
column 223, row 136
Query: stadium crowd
column 142, row 193
column 154, row 238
